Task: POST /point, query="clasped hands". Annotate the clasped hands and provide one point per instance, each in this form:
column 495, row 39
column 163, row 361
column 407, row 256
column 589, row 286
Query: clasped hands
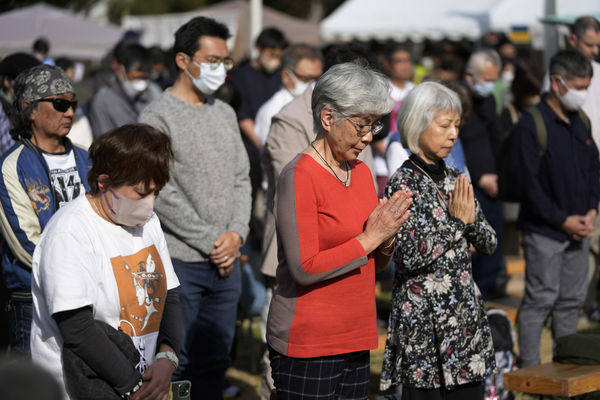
column 225, row 251
column 385, row 220
column 462, row 200
column 580, row 226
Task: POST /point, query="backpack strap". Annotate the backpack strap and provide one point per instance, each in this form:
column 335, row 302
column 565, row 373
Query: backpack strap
column 540, row 129
column 585, row 119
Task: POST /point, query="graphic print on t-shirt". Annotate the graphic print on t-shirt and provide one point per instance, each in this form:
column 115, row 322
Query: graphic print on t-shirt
column 66, row 184
column 142, row 287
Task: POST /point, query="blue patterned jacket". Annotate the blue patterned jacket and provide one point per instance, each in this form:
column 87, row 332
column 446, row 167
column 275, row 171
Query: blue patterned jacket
column 27, row 202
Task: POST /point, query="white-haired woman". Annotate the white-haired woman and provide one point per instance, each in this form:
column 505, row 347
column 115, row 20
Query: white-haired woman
column 334, row 235
column 439, row 344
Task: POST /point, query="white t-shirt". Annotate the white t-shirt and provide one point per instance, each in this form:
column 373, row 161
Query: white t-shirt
column 268, row 110
column 83, row 260
column 397, row 94
column 64, row 177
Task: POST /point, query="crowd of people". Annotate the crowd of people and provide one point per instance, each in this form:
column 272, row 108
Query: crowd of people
column 127, row 221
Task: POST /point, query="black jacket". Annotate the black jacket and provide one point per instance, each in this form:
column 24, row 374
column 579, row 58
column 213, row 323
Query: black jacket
column 481, row 138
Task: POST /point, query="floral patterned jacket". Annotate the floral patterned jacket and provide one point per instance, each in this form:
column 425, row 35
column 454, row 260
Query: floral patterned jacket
column 438, row 333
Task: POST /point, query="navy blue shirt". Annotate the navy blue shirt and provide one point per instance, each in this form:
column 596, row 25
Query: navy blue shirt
column 254, row 87
column 564, row 180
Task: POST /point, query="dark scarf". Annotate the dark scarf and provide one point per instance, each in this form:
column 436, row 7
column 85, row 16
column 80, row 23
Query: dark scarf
column 435, row 171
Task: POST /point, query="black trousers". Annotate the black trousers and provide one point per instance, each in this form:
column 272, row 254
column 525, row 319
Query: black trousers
column 469, row 391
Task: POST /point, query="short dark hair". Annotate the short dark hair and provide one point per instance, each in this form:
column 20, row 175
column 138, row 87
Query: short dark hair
column 293, row 54
column 64, row 63
column 41, row 45
column 271, row 38
column 133, row 56
column 187, row 37
column 570, row 64
column 582, row 24
column 15, row 63
column 342, row 53
column 393, row 48
column 131, row 154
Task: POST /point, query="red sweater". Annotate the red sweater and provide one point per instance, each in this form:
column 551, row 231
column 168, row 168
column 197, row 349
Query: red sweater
column 324, row 302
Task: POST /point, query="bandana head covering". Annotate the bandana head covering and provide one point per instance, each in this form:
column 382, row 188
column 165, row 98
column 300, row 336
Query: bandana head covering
column 41, row 81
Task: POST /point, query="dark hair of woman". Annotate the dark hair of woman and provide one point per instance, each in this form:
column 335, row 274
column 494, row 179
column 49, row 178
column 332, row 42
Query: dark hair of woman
column 130, row 154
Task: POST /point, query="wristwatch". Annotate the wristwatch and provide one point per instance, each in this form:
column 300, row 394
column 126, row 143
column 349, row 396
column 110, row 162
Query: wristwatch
column 169, row 355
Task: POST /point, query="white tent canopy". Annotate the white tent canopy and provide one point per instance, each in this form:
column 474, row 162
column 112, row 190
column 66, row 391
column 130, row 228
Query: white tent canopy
column 437, row 19
column 504, row 18
column 69, row 34
column 403, row 19
column 159, row 29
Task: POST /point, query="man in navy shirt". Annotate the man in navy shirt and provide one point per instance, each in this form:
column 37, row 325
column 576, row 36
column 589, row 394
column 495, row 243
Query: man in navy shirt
column 560, row 192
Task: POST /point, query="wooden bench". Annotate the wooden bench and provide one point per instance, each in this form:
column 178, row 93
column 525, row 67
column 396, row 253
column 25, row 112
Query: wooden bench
column 554, row 379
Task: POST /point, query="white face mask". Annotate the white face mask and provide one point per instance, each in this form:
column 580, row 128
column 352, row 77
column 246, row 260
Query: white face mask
column 299, row 86
column 483, row 89
column 269, row 65
column 132, row 87
column 129, row 212
column 508, row 76
column 135, row 87
column 209, row 79
column 573, row 99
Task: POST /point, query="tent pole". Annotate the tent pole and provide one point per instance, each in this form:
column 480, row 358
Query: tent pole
column 550, row 33
column 255, row 25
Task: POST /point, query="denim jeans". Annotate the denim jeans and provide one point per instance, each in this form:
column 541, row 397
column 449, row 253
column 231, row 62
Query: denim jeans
column 19, row 316
column 209, row 311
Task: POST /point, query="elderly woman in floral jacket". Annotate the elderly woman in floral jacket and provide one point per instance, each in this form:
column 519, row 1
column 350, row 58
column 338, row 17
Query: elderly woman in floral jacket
column 439, row 344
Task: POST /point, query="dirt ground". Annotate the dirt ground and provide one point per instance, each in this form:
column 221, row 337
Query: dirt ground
column 245, row 372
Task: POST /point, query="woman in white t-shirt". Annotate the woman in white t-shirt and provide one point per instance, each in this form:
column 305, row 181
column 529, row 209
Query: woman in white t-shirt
column 103, row 258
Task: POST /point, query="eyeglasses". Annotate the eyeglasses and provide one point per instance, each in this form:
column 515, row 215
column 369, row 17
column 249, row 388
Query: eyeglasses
column 362, row 130
column 61, row 105
column 303, row 78
column 214, row 61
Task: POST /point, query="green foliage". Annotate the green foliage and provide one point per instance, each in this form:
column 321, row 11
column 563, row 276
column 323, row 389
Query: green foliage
column 75, row 5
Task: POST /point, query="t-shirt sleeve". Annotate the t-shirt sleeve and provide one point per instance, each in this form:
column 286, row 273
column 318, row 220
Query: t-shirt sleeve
column 163, row 251
column 66, row 271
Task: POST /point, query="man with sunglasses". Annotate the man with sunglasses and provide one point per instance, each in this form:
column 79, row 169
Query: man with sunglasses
column 205, row 207
column 42, row 172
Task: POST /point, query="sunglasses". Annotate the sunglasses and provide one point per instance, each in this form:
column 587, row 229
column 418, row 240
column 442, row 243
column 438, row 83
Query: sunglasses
column 61, row 105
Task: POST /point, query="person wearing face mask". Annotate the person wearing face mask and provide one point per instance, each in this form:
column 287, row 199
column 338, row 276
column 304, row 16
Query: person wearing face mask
column 41, row 173
column 205, row 208
column 560, row 191
column 255, row 82
column 101, row 260
column 128, row 92
column 481, row 138
column 508, row 53
column 302, row 65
